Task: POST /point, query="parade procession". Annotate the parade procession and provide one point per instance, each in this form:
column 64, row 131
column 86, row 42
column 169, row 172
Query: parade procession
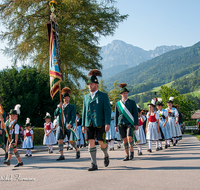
column 102, row 123
column 82, row 109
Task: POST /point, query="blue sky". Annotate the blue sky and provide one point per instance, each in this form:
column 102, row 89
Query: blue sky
column 152, row 23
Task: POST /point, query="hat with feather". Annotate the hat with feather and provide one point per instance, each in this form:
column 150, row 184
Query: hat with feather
column 171, row 99
column 16, row 110
column 123, row 88
column 66, row 92
column 93, row 76
column 152, row 103
column 47, row 115
column 27, row 122
column 159, row 102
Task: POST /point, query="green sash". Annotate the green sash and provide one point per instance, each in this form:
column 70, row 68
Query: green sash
column 130, row 118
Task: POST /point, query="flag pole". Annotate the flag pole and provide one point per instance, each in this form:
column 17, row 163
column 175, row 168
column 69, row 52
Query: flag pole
column 61, row 110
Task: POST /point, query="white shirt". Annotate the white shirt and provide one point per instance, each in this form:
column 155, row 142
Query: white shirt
column 124, row 101
column 16, row 128
column 64, row 106
column 93, row 94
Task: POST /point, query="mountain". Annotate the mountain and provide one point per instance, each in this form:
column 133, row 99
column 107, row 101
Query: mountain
column 118, row 56
column 162, row 69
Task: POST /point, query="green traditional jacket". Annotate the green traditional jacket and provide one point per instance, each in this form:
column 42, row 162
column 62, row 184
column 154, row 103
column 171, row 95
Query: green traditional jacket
column 69, row 113
column 121, row 119
column 96, row 110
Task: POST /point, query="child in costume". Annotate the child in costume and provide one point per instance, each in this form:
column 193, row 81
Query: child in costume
column 163, row 121
column 140, row 131
column 28, row 138
column 80, row 142
column 12, row 132
column 49, row 137
column 110, row 135
column 152, row 126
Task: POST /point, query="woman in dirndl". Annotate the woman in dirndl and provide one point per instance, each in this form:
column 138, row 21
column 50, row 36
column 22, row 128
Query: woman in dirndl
column 173, row 117
column 163, row 121
column 153, row 128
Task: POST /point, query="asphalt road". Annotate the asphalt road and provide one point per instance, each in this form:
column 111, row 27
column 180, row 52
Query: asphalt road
column 173, row 168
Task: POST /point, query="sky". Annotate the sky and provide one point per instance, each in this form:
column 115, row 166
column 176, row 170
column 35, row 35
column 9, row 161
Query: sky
column 151, row 23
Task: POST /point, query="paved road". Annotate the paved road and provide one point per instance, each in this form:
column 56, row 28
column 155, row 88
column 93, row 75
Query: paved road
column 174, row 168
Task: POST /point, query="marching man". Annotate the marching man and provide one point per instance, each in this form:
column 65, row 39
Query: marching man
column 96, row 118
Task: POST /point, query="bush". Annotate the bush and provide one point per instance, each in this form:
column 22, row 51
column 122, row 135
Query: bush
column 190, row 123
column 38, row 135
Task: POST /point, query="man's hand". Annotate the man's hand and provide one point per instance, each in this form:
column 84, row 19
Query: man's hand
column 60, row 105
column 107, row 128
column 83, row 129
column 116, row 129
column 136, row 127
column 69, row 126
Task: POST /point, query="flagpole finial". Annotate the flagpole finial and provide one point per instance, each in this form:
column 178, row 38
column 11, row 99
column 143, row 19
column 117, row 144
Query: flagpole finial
column 53, row 4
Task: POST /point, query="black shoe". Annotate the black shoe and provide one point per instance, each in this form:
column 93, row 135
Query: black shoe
column 81, row 146
column 126, row 158
column 93, row 167
column 139, row 153
column 78, row 155
column 110, row 149
column 60, row 158
column 106, row 161
column 70, row 148
column 131, row 156
column 149, row 150
column 160, row 148
column 118, row 146
column 26, row 154
column 19, row 164
column 6, row 156
column 157, row 149
column 30, row 155
column 7, row 162
column 113, row 148
column 67, row 148
column 174, row 144
column 166, row 146
column 51, row 152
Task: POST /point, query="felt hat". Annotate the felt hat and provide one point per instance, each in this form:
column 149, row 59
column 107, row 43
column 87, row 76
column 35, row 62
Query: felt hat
column 171, row 99
column 123, row 88
column 47, row 115
column 27, row 122
column 152, row 103
column 66, row 92
column 159, row 102
column 16, row 110
column 93, row 76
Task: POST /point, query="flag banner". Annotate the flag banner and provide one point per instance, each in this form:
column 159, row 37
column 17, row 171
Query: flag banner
column 54, row 58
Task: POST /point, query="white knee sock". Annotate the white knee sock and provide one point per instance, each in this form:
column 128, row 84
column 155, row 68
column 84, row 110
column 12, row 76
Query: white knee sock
column 139, row 148
column 165, row 142
column 174, row 140
column 30, row 151
column 150, row 144
column 157, row 144
column 112, row 143
column 160, row 143
column 168, row 142
column 27, row 151
column 51, row 148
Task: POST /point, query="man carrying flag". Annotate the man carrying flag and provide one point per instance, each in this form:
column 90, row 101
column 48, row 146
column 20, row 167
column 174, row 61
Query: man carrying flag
column 126, row 120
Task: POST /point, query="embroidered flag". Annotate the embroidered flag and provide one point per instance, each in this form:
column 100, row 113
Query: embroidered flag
column 54, row 58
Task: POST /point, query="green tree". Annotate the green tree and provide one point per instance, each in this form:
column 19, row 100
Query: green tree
column 101, row 86
column 81, row 24
column 186, row 106
column 114, row 94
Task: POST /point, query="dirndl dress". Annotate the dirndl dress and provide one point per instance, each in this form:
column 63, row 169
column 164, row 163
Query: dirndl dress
column 152, row 130
column 50, row 140
column 28, row 143
column 140, row 132
column 165, row 130
column 172, row 122
column 110, row 135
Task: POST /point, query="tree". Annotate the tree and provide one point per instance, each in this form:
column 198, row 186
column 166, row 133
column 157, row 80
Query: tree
column 114, row 94
column 186, row 106
column 81, row 24
column 101, row 86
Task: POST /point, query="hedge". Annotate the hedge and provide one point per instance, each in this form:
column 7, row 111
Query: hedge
column 38, row 135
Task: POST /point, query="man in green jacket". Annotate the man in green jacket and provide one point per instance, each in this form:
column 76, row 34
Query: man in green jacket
column 69, row 116
column 126, row 120
column 96, row 118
